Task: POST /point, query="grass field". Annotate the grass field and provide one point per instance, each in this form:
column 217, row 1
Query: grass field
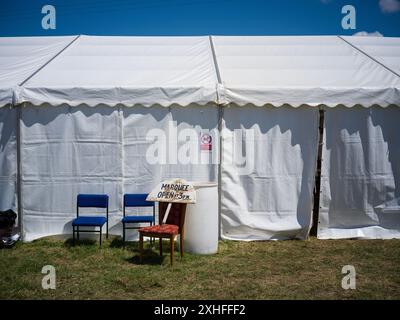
column 241, row 270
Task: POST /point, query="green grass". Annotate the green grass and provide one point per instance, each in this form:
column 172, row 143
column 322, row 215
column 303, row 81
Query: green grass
column 241, row 270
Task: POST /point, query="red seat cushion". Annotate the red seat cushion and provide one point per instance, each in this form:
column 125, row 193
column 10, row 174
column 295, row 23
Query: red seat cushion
column 163, row 229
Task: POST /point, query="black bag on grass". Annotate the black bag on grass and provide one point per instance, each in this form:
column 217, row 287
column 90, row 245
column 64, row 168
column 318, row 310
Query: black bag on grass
column 7, row 222
column 7, row 219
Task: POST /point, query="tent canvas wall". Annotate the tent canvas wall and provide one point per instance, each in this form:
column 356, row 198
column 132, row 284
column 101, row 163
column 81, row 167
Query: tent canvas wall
column 69, row 150
column 285, row 77
column 19, row 59
column 76, row 112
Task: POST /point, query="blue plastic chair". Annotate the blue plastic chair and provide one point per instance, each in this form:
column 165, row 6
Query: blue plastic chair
column 137, row 200
column 90, row 201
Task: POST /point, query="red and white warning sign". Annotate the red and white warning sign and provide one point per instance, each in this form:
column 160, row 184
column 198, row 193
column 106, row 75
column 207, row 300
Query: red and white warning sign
column 205, row 142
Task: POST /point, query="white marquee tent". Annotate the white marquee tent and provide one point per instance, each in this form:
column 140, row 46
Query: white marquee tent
column 75, row 112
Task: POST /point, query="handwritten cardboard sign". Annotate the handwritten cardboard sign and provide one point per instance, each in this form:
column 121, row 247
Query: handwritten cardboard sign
column 174, row 191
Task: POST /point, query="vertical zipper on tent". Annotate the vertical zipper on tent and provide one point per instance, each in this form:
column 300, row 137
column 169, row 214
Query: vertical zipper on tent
column 317, row 183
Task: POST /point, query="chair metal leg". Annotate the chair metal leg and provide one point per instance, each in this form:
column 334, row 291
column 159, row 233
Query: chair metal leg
column 77, row 232
column 141, row 248
column 73, row 235
column 171, row 240
column 106, row 230
column 123, row 233
column 101, row 229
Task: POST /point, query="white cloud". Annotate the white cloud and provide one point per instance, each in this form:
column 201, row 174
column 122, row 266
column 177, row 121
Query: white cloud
column 368, row 34
column 389, row 6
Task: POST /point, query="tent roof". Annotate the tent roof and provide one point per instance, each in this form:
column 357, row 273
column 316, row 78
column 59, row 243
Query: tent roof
column 287, row 70
column 384, row 50
column 20, row 57
column 298, row 70
column 127, row 70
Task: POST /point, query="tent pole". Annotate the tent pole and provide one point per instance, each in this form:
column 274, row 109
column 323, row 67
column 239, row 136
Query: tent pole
column 220, row 107
column 19, row 170
column 122, row 156
column 220, row 128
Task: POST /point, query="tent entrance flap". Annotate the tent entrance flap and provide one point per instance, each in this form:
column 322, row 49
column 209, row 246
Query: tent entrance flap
column 268, row 170
column 317, row 186
column 360, row 180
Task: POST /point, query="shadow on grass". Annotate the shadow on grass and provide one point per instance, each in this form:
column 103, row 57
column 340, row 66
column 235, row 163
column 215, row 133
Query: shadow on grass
column 69, row 243
column 119, row 243
column 149, row 258
column 134, row 245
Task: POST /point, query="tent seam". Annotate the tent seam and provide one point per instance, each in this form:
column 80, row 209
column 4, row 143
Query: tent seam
column 46, row 63
column 220, row 101
column 214, row 56
column 369, row 56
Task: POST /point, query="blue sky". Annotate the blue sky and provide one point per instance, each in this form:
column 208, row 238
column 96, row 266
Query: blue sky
column 195, row 17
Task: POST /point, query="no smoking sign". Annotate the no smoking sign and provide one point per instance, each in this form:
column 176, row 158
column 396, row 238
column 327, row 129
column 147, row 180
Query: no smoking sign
column 205, row 142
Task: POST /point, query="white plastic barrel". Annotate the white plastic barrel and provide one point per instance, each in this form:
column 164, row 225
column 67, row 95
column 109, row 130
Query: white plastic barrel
column 201, row 222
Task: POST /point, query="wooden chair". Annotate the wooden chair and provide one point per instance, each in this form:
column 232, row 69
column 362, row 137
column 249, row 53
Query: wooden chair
column 173, row 227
